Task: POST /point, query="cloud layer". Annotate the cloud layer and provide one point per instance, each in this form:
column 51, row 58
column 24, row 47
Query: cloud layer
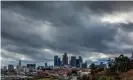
column 36, row 31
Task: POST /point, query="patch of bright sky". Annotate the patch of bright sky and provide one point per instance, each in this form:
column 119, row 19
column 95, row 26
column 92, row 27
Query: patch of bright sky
column 118, row 17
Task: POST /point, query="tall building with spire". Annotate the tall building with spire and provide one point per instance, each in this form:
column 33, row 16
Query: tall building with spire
column 65, row 59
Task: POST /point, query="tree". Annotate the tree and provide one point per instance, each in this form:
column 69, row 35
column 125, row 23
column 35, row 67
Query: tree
column 93, row 68
column 120, row 64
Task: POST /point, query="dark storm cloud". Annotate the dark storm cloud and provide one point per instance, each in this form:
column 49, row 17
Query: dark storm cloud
column 84, row 38
column 127, row 27
column 30, row 27
column 98, row 6
column 49, row 10
column 108, row 6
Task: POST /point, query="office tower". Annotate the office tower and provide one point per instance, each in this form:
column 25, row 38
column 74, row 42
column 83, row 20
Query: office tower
column 65, row 59
column 70, row 63
column 73, row 61
column 55, row 60
column 31, row 66
column 46, row 65
column 77, row 63
column 24, row 68
column 84, row 65
column 19, row 64
column 80, row 59
column 59, row 62
column 10, row 67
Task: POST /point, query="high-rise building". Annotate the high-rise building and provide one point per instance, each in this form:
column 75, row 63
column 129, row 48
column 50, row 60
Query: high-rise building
column 80, row 59
column 46, row 65
column 73, row 61
column 19, row 66
column 55, row 60
column 59, row 62
column 65, row 59
column 10, row 67
column 77, row 63
column 84, row 65
column 31, row 66
column 70, row 63
column 19, row 63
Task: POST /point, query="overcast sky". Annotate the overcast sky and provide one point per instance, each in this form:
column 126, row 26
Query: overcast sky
column 36, row 31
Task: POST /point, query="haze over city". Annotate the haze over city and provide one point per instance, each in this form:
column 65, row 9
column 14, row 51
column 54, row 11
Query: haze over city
column 35, row 32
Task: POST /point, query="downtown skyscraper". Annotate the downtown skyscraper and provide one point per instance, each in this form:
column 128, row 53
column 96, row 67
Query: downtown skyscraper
column 56, row 60
column 59, row 62
column 65, row 59
column 73, row 61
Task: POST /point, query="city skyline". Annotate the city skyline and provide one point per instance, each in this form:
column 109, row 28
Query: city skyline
column 54, row 62
column 58, row 62
column 74, row 61
column 37, row 31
